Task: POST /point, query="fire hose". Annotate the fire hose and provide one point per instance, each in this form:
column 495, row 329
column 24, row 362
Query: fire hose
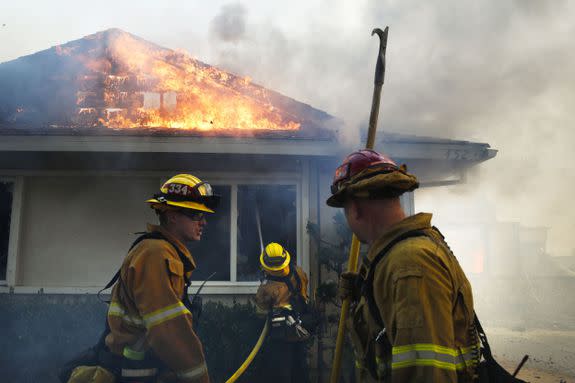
column 252, row 354
column 266, row 328
column 354, row 248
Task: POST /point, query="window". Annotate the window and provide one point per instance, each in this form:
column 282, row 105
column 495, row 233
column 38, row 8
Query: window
column 6, row 191
column 276, row 207
column 231, row 242
column 212, row 253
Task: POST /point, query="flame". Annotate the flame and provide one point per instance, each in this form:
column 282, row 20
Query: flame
column 137, row 84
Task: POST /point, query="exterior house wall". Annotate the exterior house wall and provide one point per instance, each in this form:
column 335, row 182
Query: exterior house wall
column 76, row 225
column 76, row 229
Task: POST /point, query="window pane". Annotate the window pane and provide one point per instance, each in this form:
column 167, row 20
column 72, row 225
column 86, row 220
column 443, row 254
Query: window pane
column 212, row 252
column 278, row 212
column 6, row 189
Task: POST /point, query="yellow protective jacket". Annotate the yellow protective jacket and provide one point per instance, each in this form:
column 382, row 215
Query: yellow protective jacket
column 276, row 294
column 146, row 310
column 426, row 304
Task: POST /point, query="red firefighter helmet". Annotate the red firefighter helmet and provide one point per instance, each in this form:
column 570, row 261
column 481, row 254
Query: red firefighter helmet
column 356, row 163
column 369, row 173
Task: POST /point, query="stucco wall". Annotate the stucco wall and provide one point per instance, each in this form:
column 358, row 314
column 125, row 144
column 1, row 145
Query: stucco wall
column 69, row 238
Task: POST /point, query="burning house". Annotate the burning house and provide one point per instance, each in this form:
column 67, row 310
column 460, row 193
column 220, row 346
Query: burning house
column 89, row 129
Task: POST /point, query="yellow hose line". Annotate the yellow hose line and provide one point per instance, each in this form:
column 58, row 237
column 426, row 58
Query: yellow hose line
column 351, row 266
column 252, row 354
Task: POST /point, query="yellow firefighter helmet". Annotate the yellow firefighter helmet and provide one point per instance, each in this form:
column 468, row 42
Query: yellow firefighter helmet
column 274, row 258
column 185, row 191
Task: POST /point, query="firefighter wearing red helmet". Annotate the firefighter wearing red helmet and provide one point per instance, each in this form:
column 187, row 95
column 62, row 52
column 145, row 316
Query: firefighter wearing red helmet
column 412, row 313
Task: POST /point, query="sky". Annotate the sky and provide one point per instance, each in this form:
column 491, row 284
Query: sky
column 500, row 72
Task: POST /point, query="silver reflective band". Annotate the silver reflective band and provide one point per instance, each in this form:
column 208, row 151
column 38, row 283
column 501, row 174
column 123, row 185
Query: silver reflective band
column 164, row 314
column 139, row 373
column 440, row 358
column 117, row 310
column 194, row 372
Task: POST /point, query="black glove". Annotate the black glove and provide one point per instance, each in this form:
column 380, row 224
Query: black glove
column 350, row 286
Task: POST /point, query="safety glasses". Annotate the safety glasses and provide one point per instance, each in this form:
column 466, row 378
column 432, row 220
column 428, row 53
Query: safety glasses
column 193, row 215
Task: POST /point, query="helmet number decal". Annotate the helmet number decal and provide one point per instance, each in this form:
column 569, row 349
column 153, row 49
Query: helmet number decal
column 178, row 189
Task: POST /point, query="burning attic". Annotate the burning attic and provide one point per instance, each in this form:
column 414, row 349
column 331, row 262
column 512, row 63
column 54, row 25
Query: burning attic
column 116, row 80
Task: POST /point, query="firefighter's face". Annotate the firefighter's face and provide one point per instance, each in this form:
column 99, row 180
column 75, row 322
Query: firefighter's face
column 191, row 224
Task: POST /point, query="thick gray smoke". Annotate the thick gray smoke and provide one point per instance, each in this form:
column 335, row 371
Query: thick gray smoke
column 229, row 25
column 486, row 71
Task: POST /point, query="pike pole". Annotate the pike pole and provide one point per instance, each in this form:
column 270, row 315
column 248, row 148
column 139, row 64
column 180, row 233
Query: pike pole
column 354, row 249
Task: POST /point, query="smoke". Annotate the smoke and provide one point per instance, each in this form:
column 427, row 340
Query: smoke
column 488, row 71
column 229, row 25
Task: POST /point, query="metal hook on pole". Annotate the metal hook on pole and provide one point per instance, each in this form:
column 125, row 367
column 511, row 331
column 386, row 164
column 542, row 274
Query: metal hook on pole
column 354, row 249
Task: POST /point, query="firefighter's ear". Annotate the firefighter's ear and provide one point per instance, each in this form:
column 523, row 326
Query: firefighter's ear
column 353, row 210
column 171, row 217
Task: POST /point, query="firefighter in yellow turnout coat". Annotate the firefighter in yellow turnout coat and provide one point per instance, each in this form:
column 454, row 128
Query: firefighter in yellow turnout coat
column 412, row 317
column 283, row 295
column 150, row 323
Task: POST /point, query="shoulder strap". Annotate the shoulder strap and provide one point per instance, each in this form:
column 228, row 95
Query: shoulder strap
column 482, row 337
column 154, row 235
column 367, row 288
column 296, row 299
column 285, row 279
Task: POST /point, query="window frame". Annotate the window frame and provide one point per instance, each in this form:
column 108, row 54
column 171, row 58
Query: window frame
column 233, row 287
column 14, row 233
column 234, row 180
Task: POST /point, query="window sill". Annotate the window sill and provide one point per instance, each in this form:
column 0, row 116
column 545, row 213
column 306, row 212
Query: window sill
column 213, row 288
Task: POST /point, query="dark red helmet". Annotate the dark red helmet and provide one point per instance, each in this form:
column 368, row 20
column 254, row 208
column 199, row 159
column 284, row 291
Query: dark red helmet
column 357, row 162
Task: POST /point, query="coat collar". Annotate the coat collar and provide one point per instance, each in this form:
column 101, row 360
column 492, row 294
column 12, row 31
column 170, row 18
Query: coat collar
column 418, row 221
column 173, row 240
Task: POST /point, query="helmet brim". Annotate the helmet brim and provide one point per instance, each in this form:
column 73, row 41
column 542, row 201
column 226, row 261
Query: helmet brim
column 275, row 268
column 184, row 204
column 336, row 200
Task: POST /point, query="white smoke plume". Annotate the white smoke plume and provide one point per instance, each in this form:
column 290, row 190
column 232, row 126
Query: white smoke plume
column 488, row 71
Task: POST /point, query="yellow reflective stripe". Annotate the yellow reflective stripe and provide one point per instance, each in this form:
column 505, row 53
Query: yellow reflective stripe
column 164, row 314
column 431, row 355
column 424, row 362
column 115, row 309
column 133, row 355
column 424, row 347
column 118, row 311
column 193, row 373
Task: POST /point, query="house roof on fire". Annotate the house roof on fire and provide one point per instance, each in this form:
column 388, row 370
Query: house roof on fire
column 112, row 81
column 115, row 92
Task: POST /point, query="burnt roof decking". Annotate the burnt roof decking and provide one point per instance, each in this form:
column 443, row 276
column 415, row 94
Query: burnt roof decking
column 51, row 92
column 39, row 99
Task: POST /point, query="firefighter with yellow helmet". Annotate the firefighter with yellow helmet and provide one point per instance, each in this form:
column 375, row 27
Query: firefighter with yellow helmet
column 283, row 295
column 150, row 320
column 412, row 316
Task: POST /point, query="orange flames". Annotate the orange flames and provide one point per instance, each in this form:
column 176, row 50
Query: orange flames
column 137, row 84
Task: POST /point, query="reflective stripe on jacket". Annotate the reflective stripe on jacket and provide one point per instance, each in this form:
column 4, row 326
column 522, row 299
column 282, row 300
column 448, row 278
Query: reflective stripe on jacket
column 146, row 304
column 426, row 303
